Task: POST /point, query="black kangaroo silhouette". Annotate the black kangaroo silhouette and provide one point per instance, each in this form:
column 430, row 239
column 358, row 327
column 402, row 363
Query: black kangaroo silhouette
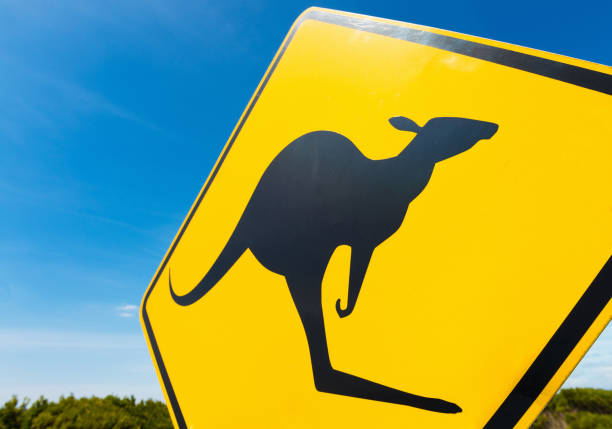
column 321, row 192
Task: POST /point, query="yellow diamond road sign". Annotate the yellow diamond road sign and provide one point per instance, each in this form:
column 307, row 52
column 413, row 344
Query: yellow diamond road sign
column 408, row 228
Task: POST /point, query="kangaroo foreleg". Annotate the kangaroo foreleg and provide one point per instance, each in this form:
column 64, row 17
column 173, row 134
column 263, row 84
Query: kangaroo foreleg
column 360, row 259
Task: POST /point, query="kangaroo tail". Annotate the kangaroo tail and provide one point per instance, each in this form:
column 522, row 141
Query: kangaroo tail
column 234, row 248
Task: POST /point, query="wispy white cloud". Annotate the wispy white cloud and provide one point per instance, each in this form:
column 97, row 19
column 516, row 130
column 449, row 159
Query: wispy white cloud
column 143, row 20
column 54, row 362
column 128, row 307
column 12, row 340
column 34, row 99
column 127, row 310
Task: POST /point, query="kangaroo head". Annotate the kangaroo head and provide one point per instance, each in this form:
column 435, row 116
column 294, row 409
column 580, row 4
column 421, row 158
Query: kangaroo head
column 441, row 138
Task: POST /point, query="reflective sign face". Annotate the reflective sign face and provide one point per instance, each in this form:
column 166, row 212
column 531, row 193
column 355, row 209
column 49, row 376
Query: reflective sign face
column 407, row 228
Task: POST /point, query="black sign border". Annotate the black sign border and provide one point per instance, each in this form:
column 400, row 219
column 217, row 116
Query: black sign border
column 590, row 305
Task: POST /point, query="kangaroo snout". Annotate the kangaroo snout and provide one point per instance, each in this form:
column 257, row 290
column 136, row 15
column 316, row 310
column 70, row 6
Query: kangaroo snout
column 443, row 137
column 489, row 129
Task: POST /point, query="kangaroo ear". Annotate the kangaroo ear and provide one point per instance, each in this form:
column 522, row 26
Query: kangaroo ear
column 404, row 124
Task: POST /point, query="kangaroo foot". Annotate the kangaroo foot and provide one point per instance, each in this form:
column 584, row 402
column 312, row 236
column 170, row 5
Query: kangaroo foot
column 340, row 383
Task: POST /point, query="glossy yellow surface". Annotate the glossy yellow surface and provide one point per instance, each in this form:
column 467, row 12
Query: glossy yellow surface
column 488, row 262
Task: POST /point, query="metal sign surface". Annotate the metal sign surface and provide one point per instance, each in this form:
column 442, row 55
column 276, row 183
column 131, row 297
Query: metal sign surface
column 408, row 227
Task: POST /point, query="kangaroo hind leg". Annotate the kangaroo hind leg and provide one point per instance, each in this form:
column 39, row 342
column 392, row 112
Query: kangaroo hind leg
column 306, row 294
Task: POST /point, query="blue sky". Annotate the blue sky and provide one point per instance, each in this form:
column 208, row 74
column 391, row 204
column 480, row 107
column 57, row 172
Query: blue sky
column 111, row 118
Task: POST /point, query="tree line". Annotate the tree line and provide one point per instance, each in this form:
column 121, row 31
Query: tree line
column 577, row 409
column 69, row 412
column 569, row 409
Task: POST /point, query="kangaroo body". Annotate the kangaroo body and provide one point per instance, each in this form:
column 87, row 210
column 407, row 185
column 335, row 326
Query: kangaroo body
column 315, row 197
column 321, row 192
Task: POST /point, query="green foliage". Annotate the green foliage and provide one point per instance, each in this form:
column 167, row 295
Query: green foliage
column 12, row 414
column 569, row 409
column 596, row 401
column 69, row 412
column 588, row 420
column 549, row 420
column 577, row 409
